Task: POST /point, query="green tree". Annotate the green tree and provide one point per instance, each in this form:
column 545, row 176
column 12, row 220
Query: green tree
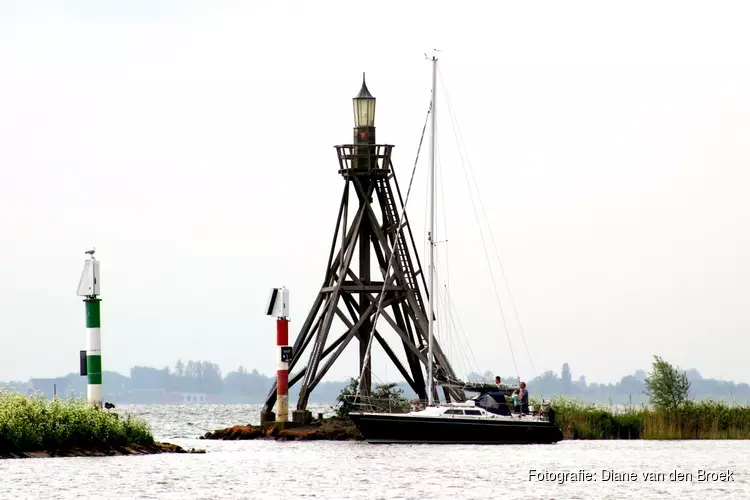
column 346, row 398
column 667, row 386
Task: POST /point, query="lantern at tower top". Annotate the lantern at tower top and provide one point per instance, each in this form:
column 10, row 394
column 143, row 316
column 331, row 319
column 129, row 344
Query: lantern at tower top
column 364, row 107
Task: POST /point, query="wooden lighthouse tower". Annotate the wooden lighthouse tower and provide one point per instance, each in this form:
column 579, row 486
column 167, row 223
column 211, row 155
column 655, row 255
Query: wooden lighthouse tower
column 370, row 224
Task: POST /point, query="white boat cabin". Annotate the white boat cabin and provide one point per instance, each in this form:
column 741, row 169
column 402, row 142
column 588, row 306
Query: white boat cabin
column 467, row 409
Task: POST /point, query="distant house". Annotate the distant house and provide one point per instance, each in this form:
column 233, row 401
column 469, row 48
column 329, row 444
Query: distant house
column 193, row 398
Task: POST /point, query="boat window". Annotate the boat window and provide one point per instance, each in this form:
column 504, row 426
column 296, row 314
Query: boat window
column 473, row 412
column 454, row 412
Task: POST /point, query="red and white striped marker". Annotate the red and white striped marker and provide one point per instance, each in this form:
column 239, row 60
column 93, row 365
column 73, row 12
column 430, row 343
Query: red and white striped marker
column 282, row 369
column 278, row 305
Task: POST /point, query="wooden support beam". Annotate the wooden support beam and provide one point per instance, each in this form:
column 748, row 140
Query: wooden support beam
column 342, row 207
column 417, row 313
column 329, row 313
column 395, row 326
column 414, row 366
column 396, row 361
column 373, row 287
column 440, row 358
column 353, row 328
column 394, row 302
column 297, row 376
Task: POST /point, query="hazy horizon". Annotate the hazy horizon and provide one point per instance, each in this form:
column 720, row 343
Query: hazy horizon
column 192, row 145
column 295, row 389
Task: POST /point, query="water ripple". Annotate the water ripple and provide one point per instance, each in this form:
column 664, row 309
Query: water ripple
column 354, row 470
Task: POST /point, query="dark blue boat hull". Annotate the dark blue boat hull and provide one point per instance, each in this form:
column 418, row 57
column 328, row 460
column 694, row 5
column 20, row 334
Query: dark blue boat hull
column 396, row 428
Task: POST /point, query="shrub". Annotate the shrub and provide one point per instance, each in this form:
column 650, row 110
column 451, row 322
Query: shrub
column 32, row 423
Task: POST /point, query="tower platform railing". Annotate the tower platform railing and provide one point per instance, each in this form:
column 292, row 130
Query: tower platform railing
column 364, row 159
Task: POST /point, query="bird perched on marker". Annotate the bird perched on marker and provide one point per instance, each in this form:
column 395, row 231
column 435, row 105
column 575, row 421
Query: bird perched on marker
column 90, row 252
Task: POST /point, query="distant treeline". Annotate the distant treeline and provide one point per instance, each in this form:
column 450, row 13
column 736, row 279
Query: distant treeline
column 629, row 389
column 148, row 384
column 247, row 386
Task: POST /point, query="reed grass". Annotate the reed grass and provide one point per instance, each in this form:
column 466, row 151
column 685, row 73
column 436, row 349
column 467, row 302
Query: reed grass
column 705, row 419
column 32, row 423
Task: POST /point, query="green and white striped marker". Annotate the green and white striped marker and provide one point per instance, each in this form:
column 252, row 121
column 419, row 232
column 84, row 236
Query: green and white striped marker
column 89, row 287
column 93, row 351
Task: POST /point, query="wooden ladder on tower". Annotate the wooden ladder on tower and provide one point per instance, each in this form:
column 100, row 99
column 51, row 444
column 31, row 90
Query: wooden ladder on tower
column 392, row 227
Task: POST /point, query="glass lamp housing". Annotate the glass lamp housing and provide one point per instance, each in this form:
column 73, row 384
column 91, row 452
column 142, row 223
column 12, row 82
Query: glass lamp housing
column 364, row 107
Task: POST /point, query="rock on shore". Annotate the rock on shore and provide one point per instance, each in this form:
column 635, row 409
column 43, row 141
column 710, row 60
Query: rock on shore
column 101, row 451
column 331, row 429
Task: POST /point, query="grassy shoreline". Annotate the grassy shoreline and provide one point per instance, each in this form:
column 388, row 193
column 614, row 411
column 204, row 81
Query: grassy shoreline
column 34, row 426
column 704, row 419
column 577, row 421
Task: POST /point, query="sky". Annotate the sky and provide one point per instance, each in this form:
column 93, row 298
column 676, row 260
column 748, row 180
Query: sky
column 191, row 143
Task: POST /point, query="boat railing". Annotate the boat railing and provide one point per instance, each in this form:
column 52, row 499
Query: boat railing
column 372, row 404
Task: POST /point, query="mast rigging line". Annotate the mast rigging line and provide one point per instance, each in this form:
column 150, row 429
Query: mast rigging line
column 402, row 224
column 447, row 263
column 450, row 309
column 459, row 141
column 459, row 344
column 460, row 329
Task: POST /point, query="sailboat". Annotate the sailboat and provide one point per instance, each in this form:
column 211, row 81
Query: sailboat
column 484, row 419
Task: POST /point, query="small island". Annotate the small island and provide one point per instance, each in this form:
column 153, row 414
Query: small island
column 31, row 426
column 338, row 427
column 327, row 429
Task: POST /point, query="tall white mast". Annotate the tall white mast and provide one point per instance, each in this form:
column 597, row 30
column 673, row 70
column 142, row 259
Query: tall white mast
column 431, row 236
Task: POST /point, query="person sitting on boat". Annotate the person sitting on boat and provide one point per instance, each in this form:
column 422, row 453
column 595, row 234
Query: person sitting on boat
column 523, row 397
column 497, row 380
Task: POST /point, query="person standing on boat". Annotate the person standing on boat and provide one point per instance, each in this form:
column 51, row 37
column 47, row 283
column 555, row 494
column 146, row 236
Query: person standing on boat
column 497, row 380
column 523, row 398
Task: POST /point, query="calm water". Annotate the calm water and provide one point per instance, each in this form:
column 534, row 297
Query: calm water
column 345, row 470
